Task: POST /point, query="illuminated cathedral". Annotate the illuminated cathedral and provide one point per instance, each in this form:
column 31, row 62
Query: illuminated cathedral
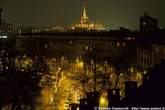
column 85, row 24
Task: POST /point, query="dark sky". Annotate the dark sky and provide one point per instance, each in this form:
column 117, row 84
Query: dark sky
column 113, row 13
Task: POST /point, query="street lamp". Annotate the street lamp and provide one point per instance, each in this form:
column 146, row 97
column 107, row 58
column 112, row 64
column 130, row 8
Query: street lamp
column 80, row 64
column 103, row 101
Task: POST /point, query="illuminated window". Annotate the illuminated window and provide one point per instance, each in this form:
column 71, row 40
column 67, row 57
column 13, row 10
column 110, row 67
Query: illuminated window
column 70, row 42
column 3, row 37
column 123, row 44
column 118, row 44
column 157, row 49
column 144, row 23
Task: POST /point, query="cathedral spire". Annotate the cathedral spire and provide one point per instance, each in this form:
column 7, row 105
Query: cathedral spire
column 84, row 17
column 85, row 24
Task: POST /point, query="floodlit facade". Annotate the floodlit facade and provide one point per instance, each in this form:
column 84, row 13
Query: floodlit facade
column 84, row 22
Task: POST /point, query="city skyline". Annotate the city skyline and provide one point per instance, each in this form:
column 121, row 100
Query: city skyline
column 82, row 54
column 113, row 14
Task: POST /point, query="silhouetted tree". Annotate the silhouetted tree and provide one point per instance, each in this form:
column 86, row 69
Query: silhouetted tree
column 120, row 66
column 20, row 88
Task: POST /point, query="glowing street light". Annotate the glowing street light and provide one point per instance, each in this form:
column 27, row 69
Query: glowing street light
column 103, row 101
column 80, row 64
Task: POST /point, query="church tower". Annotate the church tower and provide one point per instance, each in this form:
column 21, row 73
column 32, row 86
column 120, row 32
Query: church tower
column 85, row 24
column 84, row 17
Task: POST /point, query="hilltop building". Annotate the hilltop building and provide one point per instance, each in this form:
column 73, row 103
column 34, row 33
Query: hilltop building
column 148, row 23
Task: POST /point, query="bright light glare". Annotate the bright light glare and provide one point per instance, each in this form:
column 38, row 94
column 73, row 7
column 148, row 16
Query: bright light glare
column 102, row 100
column 4, row 37
column 80, row 64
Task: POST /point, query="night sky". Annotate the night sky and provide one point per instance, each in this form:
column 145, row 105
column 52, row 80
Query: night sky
column 113, row 13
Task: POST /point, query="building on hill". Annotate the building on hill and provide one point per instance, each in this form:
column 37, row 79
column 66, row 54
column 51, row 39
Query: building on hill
column 148, row 23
